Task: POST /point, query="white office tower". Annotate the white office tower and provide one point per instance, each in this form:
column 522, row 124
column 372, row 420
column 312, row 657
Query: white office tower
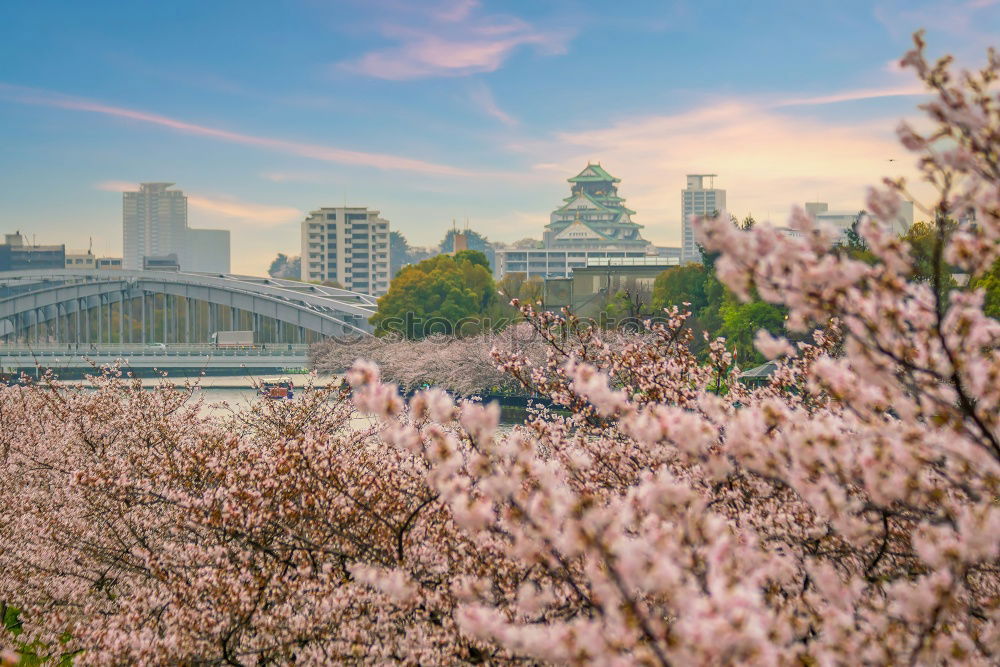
column 698, row 200
column 155, row 224
column 347, row 245
column 154, row 221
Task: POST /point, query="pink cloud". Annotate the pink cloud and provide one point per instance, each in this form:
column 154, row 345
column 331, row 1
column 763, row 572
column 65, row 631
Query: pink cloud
column 116, row 186
column 457, row 10
column 312, row 151
column 453, row 42
column 259, row 215
column 855, row 95
column 254, row 214
column 481, row 96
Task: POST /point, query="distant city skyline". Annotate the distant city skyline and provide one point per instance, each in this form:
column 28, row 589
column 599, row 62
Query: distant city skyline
column 155, row 225
column 451, row 109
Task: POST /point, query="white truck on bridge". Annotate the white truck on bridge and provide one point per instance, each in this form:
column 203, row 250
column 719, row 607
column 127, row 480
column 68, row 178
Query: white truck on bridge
column 232, row 339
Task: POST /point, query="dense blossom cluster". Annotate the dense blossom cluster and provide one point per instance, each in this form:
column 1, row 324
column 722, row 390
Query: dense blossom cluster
column 461, row 365
column 844, row 513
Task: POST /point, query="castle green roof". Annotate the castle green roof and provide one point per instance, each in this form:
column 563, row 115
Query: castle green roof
column 598, row 205
column 593, row 173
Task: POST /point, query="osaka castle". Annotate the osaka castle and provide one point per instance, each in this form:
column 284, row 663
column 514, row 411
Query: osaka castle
column 593, row 216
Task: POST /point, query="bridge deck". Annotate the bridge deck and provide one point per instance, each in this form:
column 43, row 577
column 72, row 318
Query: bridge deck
column 162, row 357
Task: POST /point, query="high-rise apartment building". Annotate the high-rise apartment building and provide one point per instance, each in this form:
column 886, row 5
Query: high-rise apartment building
column 698, row 200
column 155, row 224
column 349, row 245
column 154, row 220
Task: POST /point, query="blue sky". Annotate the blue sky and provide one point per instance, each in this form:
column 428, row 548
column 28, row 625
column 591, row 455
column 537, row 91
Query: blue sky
column 449, row 109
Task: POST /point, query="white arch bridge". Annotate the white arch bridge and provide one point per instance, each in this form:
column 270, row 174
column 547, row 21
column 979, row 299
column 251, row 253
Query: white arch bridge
column 88, row 307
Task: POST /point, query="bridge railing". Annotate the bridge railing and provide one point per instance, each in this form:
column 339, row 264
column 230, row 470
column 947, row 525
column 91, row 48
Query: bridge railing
column 202, row 350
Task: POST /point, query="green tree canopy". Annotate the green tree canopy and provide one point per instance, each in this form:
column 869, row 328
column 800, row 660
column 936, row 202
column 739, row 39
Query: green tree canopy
column 475, row 256
column 679, row 285
column 443, row 294
column 740, row 323
column 923, row 239
column 990, row 283
column 284, row 266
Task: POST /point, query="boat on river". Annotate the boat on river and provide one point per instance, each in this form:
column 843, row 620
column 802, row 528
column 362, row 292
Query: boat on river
column 280, row 388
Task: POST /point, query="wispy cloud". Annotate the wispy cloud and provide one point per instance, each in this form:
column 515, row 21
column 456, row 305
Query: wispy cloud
column 248, row 213
column 254, row 214
column 313, row 151
column 455, row 39
column 482, row 97
column 962, row 19
column 853, row 96
column 116, row 186
column 455, row 10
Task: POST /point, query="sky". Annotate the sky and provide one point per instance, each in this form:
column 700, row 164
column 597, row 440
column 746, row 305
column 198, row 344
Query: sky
column 474, row 111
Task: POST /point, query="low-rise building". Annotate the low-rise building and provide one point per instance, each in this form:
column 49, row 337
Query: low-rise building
column 843, row 220
column 16, row 255
column 553, row 262
column 81, row 259
column 161, row 262
column 669, row 252
column 594, row 285
column 590, row 288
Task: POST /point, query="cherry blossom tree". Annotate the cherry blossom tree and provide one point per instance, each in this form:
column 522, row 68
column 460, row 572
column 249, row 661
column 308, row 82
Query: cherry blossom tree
column 846, row 512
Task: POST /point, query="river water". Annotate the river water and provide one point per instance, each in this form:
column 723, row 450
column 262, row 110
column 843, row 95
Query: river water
column 225, row 394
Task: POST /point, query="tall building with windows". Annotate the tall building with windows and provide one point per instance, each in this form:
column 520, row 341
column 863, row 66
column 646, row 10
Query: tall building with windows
column 154, row 220
column 698, row 200
column 347, row 245
column 155, row 224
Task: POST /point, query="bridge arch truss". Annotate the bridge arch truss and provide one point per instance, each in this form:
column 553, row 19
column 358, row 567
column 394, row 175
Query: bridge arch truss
column 87, row 306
